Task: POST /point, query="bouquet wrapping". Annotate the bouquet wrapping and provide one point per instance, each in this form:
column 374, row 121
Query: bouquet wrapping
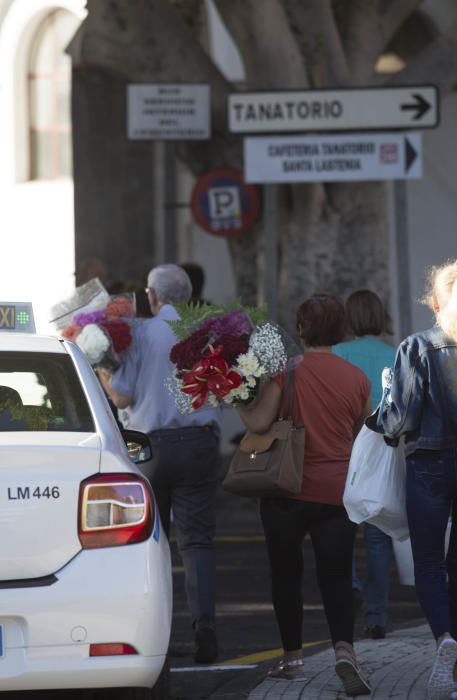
column 222, row 355
column 98, row 323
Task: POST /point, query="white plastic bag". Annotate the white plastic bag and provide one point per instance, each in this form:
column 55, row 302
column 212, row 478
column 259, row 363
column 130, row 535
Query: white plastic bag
column 403, row 556
column 375, row 485
column 91, row 296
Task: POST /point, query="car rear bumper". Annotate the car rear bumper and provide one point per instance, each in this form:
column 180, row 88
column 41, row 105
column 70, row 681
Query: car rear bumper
column 103, row 596
column 50, row 669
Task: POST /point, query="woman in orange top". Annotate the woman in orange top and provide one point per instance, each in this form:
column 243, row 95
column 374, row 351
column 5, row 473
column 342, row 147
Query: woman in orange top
column 332, row 399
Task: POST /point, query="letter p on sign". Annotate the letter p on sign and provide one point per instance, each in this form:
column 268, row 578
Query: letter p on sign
column 224, row 202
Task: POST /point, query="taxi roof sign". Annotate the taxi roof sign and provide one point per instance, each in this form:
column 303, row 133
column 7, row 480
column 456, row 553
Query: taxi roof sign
column 17, row 317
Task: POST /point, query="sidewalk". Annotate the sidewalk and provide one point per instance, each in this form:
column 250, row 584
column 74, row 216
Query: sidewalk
column 398, row 667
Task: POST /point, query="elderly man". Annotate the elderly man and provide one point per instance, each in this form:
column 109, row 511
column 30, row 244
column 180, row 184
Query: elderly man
column 183, row 471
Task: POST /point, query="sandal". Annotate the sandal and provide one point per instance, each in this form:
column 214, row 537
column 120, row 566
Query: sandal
column 292, row 670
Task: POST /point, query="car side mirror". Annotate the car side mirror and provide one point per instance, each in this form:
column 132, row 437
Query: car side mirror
column 138, row 446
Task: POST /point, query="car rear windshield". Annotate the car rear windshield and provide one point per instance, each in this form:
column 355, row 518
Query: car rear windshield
column 41, row 391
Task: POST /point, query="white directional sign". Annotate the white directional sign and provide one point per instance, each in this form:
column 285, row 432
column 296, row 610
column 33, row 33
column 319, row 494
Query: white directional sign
column 334, row 110
column 168, row 112
column 393, row 156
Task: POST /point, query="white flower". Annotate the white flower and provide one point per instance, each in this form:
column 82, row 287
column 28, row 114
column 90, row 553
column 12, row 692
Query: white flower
column 244, row 393
column 266, row 343
column 183, row 401
column 248, row 365
column 93, row 342
column 251, row 382
column 213, row 400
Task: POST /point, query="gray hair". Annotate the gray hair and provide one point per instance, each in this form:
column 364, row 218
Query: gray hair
column 171, row 284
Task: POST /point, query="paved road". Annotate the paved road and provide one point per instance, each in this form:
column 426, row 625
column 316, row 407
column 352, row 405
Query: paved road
column 398, row 667
column 246, row 627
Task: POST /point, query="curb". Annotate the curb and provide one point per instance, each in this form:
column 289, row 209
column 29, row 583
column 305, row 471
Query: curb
column 240, row 687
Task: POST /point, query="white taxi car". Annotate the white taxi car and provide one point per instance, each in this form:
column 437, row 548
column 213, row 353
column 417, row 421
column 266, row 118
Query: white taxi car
column 85, row 576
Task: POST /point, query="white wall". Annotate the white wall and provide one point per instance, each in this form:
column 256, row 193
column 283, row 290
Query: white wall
column 36, row 218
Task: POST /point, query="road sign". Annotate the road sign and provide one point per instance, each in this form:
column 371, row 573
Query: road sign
column 387, row 156
column 334, row 110
column 223, row 204
column 169, row 112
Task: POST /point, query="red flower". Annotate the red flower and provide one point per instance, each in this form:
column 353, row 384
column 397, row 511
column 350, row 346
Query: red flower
column 119, row 307
column 72, row 332
column 120, row 334
column 187, row 352
column 211, row 374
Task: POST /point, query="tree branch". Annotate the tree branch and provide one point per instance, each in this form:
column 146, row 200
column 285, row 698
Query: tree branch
column 362, row 39
column 148, row 41
column 437, row 64
column 271, row 56
column 318, row 37
column 394, row 16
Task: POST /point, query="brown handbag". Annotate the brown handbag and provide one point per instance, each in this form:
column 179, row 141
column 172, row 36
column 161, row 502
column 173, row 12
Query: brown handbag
column 270, row 463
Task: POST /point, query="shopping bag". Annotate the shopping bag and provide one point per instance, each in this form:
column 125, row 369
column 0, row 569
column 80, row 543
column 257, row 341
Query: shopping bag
column 403, row 556
column 375, row 484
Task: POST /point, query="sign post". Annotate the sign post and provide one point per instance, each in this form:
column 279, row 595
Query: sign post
column 336, row 158
column 356, row 157
column 223, row 204
column 270, row 213
column 169, row 112
column 334, row 110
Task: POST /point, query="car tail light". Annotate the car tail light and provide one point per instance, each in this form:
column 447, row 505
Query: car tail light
column 111, row 649
column 114, row 509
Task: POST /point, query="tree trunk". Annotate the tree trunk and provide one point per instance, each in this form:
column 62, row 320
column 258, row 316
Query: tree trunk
column 332, row 237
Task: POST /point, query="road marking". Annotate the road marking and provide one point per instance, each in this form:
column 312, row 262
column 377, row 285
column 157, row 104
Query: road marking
column 243, row 609
column 266, row 655
column 253, row 538
column 194, row 669
column 239, row 538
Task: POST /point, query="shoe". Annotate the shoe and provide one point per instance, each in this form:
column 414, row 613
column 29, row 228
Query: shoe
column 351, row 676
column 206, row 650
column 374, row 631
column 288, row 671
column 441, row 682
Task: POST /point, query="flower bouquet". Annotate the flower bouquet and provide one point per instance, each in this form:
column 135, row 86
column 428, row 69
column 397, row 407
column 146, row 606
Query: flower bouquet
column 98, row 323
column 222, row 355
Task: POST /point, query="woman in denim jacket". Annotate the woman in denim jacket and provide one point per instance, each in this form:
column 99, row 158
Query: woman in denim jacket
column 421, row 405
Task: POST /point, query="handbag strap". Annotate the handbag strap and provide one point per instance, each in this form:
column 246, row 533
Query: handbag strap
column 288, row 395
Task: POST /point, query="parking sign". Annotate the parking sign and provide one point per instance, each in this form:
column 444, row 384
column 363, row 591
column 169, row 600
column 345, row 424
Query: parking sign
column 223, row 204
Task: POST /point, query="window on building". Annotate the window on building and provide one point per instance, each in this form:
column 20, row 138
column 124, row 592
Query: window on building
column 49, row 97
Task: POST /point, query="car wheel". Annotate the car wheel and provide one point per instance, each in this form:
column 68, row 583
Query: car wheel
column 161, row 690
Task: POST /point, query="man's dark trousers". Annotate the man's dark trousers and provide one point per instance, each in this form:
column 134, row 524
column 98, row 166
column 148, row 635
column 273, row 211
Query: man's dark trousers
column 183, row 474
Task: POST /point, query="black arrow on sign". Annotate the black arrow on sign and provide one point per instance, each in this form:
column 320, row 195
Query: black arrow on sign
column 421, row 106
column 410, row 155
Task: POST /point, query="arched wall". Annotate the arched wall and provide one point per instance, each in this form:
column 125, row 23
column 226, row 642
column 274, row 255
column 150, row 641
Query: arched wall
column 16, row 32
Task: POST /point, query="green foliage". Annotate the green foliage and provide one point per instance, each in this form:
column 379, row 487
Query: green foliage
column 37, row 417
column 193, row 315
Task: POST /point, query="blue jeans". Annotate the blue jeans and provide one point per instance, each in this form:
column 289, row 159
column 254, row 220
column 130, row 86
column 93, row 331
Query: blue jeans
column 431, row 495
column 183, row 475
column 377, row 581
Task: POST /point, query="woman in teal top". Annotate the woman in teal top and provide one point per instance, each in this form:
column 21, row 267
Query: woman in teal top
column 368, row 321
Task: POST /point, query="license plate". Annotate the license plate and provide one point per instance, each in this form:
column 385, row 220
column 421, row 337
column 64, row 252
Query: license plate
column 1, row 641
